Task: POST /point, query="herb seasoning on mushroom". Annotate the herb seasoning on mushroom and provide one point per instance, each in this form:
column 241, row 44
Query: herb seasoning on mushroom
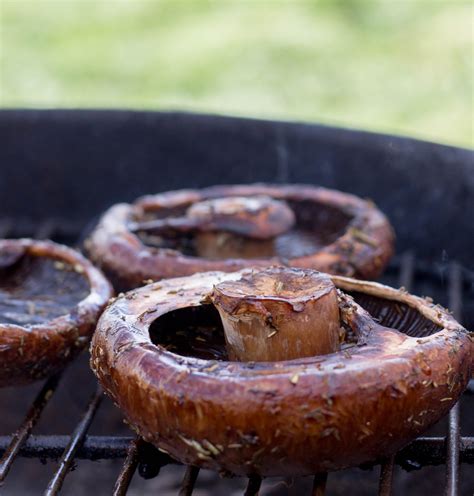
column 229, row 228
column 272, row 375
column 50, row 300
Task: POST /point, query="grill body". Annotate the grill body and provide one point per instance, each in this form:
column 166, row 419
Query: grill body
column 61, row 169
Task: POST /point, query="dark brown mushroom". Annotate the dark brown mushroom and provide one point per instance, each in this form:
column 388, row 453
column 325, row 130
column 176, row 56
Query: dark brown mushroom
column 50, row 300
column 160, row 353
column 228, row 228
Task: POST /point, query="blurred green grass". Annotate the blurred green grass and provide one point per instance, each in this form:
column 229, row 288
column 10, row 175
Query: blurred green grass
column 396, row 66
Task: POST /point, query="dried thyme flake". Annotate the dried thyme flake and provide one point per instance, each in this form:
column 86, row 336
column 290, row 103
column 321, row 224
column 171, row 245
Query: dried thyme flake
column 79, row 269
column 319, row 414
column 294, row 379
column 331, row 431
column 211, row 447
column 211, row 368
column 328, row 399
column 147, row 312
column 362, row 237
column 366, row 430
column 200, row 450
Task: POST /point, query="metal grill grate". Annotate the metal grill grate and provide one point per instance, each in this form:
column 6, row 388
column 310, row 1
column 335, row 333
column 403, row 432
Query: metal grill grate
column 406, row 271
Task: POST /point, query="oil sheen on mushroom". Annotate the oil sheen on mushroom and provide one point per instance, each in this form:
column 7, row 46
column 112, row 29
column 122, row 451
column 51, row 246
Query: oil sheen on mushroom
column 247, row 407
column 228, row 228
column 50, row 300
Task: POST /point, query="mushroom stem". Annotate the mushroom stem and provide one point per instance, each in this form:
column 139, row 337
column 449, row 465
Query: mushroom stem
column 224, row 245
column 278, row 314
column 239, row 227
column 259, row 217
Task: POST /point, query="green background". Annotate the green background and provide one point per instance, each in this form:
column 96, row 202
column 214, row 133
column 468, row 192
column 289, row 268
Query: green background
column 400, row 66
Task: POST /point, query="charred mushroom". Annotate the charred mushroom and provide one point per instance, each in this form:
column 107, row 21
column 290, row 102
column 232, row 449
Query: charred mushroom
column 50, row 300
column 396, row 365
column 229, row 228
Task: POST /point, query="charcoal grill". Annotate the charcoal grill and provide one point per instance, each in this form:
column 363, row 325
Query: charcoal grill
column 60, row 169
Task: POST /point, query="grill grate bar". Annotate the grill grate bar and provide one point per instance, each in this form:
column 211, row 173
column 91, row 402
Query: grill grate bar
column 470, row 387
column 405, row 279
column 423, row 451
column 253, row 486
column 128, row 470
column 51, row 447
column 452, row 455
column 454, row 436
column 189, row 480
column 5, row 228
column 407, row 270
column 46, row 230
column 386, row 476
column 319, row 484
column 75, row 442
column 23, row 432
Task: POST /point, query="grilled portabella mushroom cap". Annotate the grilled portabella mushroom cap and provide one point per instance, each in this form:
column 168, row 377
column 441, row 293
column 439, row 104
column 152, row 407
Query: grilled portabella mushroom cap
column 229, row 228
column 50, row 300
column 161, row 353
